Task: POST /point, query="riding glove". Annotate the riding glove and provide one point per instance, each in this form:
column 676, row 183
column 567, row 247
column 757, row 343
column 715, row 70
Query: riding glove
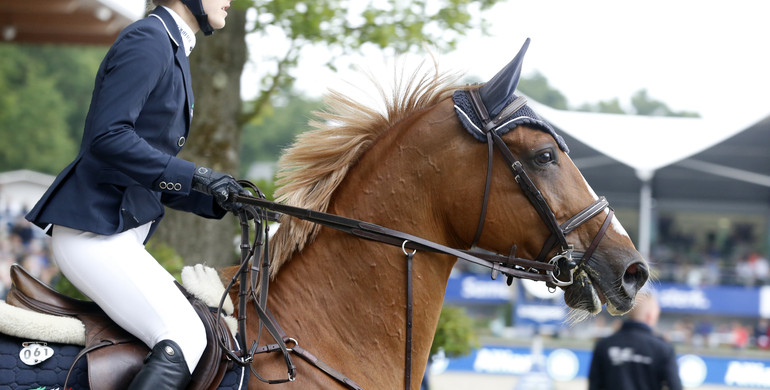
column 219, row 185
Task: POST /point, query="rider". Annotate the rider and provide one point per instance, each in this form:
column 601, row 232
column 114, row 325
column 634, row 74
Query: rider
column 104, row 206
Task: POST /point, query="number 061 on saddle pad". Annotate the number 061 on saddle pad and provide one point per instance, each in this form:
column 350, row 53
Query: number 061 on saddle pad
column 51, row 371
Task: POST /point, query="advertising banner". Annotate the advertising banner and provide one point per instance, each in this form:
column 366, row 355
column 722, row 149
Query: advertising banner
column 472, row 288
column 535, row 303
column 562, row 364
column 711, row 300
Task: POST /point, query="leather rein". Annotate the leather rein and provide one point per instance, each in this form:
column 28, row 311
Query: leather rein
column 262, row 210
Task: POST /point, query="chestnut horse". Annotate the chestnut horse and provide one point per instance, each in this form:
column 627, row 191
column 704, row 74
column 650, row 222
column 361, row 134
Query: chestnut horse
column 416, row 169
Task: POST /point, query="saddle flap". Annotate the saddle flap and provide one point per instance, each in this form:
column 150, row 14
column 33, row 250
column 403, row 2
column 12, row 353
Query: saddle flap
column 114, row 367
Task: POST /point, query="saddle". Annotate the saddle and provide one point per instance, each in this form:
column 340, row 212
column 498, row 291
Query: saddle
column 113, row 355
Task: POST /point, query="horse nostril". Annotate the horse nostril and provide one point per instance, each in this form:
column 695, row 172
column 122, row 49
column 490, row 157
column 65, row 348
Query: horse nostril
column 634, row 278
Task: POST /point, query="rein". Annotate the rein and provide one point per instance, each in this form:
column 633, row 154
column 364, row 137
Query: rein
column 508, row 265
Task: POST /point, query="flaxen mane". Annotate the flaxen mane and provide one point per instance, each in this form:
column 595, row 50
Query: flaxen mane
column 311, row 169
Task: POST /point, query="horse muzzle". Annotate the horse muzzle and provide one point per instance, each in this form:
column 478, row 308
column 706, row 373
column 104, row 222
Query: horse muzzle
column 613, row 281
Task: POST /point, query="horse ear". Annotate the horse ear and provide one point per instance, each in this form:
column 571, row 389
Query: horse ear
column 498, row 91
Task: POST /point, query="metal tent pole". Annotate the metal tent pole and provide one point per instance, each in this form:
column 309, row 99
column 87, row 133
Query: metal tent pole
column 645, row 211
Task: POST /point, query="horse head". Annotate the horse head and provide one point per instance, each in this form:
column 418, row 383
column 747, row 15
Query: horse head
column 508, row 187
column 569, row 225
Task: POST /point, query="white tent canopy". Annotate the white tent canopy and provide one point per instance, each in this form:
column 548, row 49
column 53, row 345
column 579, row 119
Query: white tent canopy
column 644, row 143
column 733, row 150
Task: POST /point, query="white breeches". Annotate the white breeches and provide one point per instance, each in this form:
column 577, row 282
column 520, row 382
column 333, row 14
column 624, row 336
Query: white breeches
column 130, row 286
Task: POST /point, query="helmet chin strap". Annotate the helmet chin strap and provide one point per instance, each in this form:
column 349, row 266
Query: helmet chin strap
column 196, row 7
column 203, row 22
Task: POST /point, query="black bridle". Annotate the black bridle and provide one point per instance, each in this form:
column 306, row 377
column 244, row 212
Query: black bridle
column 563, row 259
column 262, row 210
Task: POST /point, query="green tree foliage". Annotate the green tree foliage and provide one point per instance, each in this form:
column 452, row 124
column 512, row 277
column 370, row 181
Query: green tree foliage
column 641, row 104
column 44, row 95
column 455, row 334
column 265, row 136
column 611, row 106
column 267, row 187
column 345, row 26
column 645, row 105
column 537, row 87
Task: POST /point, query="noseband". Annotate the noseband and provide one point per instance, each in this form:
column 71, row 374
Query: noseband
column 562, row 261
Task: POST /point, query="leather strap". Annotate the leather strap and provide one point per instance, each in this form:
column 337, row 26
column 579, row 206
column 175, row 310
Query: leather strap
column 312, row 359
column 409, row 316
column 247, row 291
column 485, row 199
column 526, row 184
column 306, row 355
column 382, row 234
column 595, row 243
column 530, row 190
column 83, row 352
column 578, row 219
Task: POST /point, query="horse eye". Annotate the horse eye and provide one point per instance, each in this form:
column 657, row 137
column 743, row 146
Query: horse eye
column 544, row 157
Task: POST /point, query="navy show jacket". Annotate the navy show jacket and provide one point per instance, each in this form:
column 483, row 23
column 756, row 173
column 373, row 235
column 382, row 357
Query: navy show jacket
column 138, row 121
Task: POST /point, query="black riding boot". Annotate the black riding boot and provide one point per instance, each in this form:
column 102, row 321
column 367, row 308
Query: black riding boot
column 164, row 368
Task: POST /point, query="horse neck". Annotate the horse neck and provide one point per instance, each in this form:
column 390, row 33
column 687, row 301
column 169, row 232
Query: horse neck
column 344, row 296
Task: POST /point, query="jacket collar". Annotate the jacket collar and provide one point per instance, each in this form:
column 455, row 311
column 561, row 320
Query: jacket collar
column 169, row 24
column 187, row 34
column 176, row 37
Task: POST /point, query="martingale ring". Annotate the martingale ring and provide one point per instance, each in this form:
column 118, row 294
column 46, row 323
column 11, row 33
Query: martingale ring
column 403, row 248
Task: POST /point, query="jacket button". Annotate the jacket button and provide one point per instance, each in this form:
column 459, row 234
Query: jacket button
column 162, row 185
column 177, row 186
column 181, row 141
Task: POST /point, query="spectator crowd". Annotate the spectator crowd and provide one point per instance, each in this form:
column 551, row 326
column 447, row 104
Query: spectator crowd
column 22, row 243
column 730, row 260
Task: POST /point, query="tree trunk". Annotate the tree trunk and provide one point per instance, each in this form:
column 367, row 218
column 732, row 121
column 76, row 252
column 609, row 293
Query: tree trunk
column 216, row 64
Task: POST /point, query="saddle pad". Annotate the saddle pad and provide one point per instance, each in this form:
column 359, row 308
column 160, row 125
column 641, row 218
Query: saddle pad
column 47, row 375
column 51, row 373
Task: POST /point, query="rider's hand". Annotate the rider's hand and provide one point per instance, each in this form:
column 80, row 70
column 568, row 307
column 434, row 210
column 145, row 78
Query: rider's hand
column 219, row 185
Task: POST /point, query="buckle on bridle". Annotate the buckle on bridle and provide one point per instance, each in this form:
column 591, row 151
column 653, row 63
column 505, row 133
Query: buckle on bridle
column 562, row 261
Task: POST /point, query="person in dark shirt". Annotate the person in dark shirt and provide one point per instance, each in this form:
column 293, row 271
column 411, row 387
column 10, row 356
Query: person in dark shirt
column 634, row 358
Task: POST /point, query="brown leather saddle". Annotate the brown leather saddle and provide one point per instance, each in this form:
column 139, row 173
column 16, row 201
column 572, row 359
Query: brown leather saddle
column 113, row 355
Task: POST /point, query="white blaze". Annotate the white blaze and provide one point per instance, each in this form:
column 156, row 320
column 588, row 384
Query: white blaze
column 615, row 223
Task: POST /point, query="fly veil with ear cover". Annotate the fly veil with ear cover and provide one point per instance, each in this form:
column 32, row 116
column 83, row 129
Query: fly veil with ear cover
column 490, row 111
column 498, row 94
